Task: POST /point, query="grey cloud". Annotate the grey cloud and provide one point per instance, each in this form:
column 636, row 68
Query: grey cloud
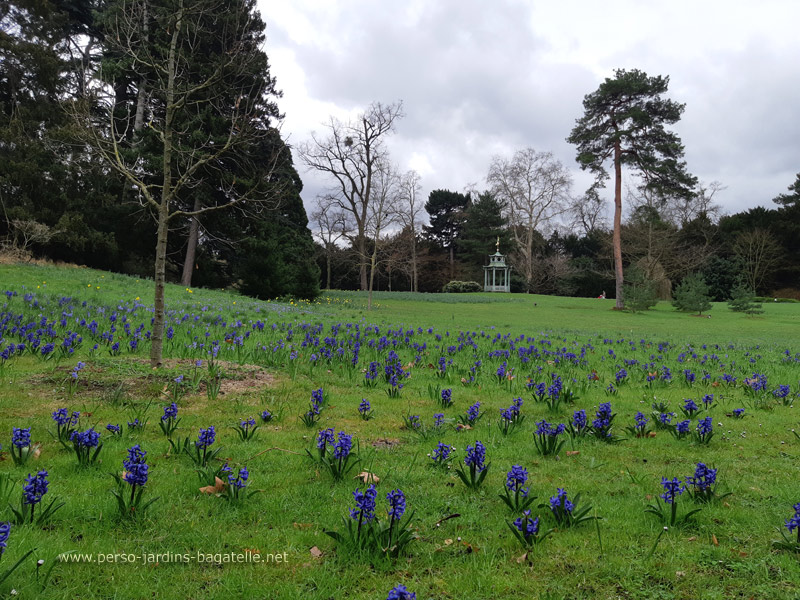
column 476, row 81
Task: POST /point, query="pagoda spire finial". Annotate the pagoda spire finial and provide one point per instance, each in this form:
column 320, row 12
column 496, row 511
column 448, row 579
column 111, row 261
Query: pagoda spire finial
column 497, row 245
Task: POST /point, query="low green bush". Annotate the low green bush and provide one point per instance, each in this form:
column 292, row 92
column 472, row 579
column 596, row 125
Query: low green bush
column 462, row 287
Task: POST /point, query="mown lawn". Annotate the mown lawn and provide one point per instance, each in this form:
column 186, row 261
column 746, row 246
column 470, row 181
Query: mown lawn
column 272, row 356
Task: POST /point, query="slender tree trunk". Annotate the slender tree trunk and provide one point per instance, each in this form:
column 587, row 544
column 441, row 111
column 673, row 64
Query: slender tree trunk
column 617, row 238
column 529, row 260
column 372, row 276
column 328, row 267
column 157, row 335
column 452, row 262
column 191, row 246
column 414, row 284
column 138, row 121
column 362, row 259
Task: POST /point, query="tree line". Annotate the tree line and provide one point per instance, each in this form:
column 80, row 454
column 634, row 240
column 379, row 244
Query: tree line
column 142, row 136
column 370, row 234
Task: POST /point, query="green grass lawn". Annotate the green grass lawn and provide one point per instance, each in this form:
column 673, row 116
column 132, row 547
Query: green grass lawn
column 465, row 548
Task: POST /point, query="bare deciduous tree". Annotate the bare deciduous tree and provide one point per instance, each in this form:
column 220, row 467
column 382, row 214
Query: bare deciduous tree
column 655, row 243
column 760, row 254
column 410, row 206
column 331, row 226
column 535, row 188
column 588, row 212
column 681, row 210
column 350, row 154
column 181, row 87
column 382, row 213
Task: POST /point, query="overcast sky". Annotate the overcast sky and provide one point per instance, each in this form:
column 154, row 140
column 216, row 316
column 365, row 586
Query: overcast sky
column 480, row 78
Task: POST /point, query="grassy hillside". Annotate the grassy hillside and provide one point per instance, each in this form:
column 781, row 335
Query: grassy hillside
column 492, row 349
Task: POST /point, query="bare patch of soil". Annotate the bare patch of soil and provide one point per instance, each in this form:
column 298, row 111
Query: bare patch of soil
column 386, row 443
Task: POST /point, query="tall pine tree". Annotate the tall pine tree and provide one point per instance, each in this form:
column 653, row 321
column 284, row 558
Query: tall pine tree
column 625, row 122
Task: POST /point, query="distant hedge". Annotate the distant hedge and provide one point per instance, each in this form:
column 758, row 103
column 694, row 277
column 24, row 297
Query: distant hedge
column 766, row 299
column 462, row 287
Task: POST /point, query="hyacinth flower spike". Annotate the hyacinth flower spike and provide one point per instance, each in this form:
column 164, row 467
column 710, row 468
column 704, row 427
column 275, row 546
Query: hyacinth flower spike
column 792, row 524
column 135, row 474
column 33, row 492
column 515, row 493
column 477, row 469
column 673, row 488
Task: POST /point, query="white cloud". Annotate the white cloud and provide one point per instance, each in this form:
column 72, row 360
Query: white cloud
column 478, row 79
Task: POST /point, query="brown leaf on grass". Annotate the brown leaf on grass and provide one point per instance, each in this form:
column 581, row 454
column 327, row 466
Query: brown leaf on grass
column 470, row 548
column 463, row 427
column 217, row 488
column 367, row 477
column 692, row 539
column 448, row 541
column 316, row 552
column 36, row 451
column 680, row 574
column 651, row 434
column 302, row 525
column 522, row 559
column 714, row 540
column 573, row 452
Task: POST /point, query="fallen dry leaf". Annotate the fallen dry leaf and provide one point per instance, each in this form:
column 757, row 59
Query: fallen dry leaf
column 691, row 539
column 367, row 477
column 217, row 488
column 302, row 525
column 573, row 452
column 523, row 558
column 714, row 540
column 316, row 552
column 448, row 541
column 651, row 434
column 680, row 574
column 37, row 451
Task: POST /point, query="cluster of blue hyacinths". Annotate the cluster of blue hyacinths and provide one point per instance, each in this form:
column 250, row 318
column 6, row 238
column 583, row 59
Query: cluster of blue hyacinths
column 337, row 453
column 365, row 531
column 526, row 528
column 312, row 415
column 476, row 468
